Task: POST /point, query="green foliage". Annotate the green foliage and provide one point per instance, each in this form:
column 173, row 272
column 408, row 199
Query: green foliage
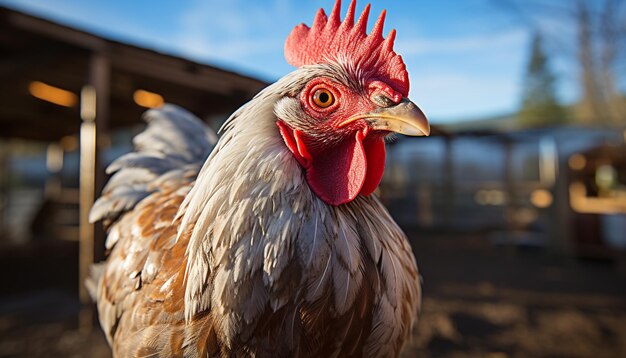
column 540, row 107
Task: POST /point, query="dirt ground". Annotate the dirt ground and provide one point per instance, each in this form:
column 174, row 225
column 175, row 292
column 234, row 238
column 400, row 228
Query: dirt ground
column 480, row 300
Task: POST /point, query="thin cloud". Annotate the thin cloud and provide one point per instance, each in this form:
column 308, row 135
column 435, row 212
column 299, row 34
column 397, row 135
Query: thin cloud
column 448, row 96
column 227, row 32
column 456, row 45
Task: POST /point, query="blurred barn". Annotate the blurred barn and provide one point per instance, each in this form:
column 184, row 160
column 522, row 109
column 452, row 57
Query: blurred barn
column 560, row 188
column 71, row 101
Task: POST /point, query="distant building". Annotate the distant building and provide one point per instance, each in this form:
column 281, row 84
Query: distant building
column 522, row 187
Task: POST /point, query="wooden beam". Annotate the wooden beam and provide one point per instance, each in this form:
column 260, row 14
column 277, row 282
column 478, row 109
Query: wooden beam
column 95, row 101
column 24, row 64
column 169, row 70
column 56, row 31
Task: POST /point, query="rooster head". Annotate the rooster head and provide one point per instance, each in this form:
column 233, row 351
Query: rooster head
column 351, row 95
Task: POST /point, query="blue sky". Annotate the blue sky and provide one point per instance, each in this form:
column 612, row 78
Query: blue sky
column 466, row 58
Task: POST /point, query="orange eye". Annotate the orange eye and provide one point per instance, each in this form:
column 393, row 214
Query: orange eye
column 323, row 98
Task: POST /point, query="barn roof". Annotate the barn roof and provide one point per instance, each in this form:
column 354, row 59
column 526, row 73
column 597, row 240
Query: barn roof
column 35, row 50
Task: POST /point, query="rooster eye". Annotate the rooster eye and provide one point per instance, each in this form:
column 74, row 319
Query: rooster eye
column 323, row 98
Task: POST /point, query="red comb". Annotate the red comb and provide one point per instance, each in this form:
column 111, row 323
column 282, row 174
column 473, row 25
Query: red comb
column 330, row 39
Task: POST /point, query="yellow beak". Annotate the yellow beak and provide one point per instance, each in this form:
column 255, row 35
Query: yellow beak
column 404, row 118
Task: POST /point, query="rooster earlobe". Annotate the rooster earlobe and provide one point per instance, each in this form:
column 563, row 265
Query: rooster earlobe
column 293, row 141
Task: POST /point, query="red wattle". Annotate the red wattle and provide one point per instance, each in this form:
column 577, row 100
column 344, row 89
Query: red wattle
column 375, row 154
column 339, row 173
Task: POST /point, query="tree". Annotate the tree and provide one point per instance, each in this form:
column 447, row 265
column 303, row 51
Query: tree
column 601, row 40
column 540, row 106
column 591, row 36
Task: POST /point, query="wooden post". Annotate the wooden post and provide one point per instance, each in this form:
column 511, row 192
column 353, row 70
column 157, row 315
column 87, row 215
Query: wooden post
column 101, row 68
column 54, row 164
column 551, row 178
column 424, row 204
column 87, row 186
column 449, row 184
column 94, row 115
column 561, row 212
column 4, row 197
column 511, row 203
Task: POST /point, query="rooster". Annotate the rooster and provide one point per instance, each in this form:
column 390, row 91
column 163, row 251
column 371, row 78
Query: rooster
column 269, row 242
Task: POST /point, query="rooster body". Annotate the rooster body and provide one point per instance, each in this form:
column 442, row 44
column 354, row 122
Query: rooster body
column 244, row 249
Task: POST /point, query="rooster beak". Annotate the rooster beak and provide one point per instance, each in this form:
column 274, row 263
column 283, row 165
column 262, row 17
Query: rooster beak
column 404, row 118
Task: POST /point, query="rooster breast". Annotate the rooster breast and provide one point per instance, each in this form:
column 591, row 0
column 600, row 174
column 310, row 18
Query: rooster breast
column 243, row 260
